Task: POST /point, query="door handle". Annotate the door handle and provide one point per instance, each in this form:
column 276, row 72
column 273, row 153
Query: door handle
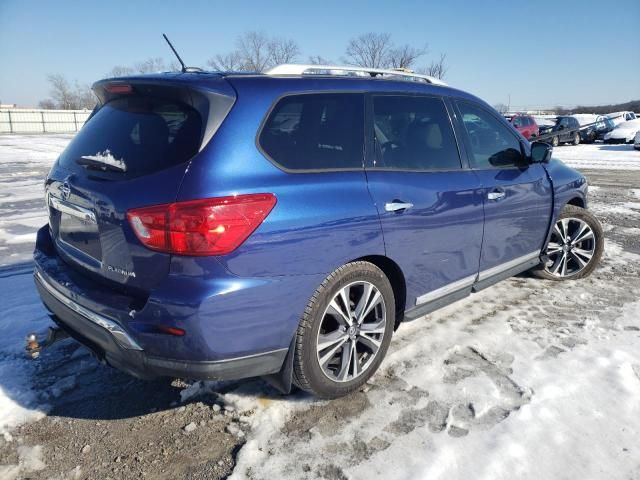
column 397, row 206
column 496, row 195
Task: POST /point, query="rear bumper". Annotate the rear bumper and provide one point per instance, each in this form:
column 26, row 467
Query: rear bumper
column 112, row 344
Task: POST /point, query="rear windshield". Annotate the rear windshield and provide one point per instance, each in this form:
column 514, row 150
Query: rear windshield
column 136, row 135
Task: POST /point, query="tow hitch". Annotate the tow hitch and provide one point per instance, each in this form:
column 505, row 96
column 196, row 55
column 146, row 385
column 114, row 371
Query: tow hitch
column 34, row 347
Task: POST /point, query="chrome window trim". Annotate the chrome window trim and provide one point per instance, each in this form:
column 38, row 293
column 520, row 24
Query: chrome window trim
column 116, row 330
column 73, row 210
column 503, row 267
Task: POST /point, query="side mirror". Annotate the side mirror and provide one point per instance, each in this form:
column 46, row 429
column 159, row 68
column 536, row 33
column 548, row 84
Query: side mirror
column 541, row 152
column 560, row 127
column 507, row 158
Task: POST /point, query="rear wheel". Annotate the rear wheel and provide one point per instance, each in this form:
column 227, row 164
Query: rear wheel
column 345, row 331
column 576, row 138
column 575, row 247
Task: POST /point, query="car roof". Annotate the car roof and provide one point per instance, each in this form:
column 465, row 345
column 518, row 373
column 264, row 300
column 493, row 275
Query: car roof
column 304, row 83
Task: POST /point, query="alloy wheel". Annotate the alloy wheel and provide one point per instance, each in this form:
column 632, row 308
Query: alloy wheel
column 351, row 331
column 571, row 247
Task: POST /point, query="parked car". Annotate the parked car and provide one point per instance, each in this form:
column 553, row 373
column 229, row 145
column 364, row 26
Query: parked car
column 636, row 141
column 525, row 124
column 621, row 117
column 216, row 226
column 593, row 127
column 623, row 132
column 565, row 130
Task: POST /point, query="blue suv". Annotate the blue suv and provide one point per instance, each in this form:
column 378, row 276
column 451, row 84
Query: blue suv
column 221, row 225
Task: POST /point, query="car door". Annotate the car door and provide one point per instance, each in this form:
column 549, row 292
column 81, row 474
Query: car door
column 565, row 133
column 517, row 195
column 430, row 207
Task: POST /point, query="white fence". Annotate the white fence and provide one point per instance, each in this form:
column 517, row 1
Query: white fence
column 23, row 120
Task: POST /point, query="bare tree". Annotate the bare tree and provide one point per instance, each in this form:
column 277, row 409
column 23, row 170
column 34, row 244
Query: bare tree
column 282, row 50
column 227, row 63
column 369, row 50
column 405, row 56
column 68, row 97
column 47, row 104
column 85, row 98
column 256, row 52
column 174, row 66
column 253, row 48
column 61, row 91
column 151, row 65
column 501, row 108
column 319, row 60
column 437, row 68
column 120, row 71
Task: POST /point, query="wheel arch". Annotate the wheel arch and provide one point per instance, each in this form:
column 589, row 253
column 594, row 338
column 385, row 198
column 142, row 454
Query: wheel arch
column 396, row 277
column 576, row 201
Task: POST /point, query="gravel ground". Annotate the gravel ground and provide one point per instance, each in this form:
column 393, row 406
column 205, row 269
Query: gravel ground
column 104, row 424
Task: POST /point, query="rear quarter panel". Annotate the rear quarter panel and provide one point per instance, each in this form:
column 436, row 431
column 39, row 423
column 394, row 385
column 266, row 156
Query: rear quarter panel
column 321, row 220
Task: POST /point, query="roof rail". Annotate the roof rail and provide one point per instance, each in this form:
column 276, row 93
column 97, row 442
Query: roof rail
column 348, row 71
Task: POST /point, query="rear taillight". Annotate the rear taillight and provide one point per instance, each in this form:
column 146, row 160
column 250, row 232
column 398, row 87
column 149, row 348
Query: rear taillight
column 212, row 226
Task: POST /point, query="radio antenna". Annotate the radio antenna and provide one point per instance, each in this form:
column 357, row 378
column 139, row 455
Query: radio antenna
column 184, row 67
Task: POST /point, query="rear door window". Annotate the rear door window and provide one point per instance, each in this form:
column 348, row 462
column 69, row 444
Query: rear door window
column 413, row 133
column 492, row 144
column 316, row 132
column 136, row 135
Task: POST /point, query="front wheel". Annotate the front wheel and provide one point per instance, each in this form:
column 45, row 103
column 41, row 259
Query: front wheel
column 555, row 141
column 576, row 139
column 345, row 331
column 575, row 247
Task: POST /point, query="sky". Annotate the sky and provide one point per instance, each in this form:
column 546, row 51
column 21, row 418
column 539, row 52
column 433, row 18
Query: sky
column 533, row 54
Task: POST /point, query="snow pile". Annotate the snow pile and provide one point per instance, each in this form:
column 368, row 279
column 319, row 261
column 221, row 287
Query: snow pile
column 29, row 460
column 107, row 158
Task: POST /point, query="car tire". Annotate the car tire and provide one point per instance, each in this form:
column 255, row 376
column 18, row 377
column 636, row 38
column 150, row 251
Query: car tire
column 568, row 258
column 555, row 141
column 576, row 138
column 325, row 341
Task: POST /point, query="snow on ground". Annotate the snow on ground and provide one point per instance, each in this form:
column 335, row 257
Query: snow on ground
column 599, row 156
column 24, row 163
column 506, row 384
column 528, row 379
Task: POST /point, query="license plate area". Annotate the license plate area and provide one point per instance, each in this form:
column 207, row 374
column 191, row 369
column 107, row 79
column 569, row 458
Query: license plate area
column 78, row 228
